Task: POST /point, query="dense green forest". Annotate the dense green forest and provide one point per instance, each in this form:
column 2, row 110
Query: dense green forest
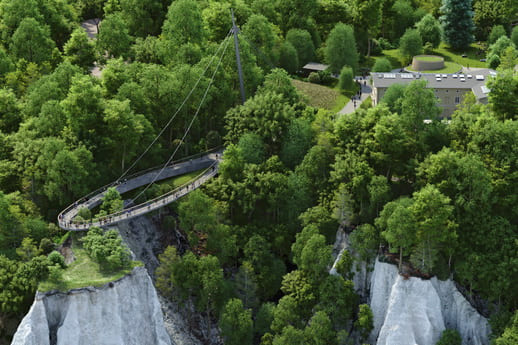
column 441, row 196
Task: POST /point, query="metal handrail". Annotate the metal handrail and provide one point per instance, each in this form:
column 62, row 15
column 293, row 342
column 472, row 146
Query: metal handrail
column 134, row 175
column 79, row 225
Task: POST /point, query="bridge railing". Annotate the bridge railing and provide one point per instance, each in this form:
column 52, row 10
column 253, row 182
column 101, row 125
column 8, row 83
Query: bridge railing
column 78, row 225
column 134, row 175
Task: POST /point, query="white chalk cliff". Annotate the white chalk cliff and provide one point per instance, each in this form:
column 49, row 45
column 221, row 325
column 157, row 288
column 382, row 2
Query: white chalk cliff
column 414, row 311
column 125, row 312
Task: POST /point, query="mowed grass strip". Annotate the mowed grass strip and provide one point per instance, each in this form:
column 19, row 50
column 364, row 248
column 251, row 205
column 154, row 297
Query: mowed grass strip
column 319, row 96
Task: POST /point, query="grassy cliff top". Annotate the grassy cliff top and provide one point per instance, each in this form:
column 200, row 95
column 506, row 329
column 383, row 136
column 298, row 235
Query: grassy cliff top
column 83, row 272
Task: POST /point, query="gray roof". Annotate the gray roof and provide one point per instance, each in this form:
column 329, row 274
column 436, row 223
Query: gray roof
column 473, row 81
column 315, row 66
column 480, row 91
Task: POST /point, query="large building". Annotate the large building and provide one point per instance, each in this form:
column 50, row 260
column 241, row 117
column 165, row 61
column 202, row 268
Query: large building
column 449, row 89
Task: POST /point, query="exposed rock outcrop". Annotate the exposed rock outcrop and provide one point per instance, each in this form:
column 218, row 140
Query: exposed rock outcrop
column 123, row 312
column 361, row 270
column 412, row 311
column 416, row 311
column 145, row 239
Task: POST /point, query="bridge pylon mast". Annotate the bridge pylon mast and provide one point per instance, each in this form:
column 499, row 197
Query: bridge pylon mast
column 235, row 31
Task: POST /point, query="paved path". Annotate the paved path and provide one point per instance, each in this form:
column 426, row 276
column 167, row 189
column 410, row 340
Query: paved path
column 366, row 92
column 209, row 162
column 91, row 27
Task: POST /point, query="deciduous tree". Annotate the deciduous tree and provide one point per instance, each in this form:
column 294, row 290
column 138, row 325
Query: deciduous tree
column 430, row 30
column 341, row 48
column 31, row 41
column 236, row 323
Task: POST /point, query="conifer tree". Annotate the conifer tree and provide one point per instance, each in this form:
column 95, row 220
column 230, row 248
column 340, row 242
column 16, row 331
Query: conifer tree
column 457, row 23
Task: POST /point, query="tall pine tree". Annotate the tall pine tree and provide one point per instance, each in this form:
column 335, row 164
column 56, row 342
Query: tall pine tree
column 457, row 23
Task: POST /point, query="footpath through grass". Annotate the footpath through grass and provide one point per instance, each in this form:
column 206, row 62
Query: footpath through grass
column 320, row 96
column 84, row 272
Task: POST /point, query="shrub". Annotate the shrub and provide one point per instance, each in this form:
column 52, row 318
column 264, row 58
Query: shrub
column 57, row 259
column 314, row 78
column 382, row 65
column 107, row 249
column 450, row 337
column 325, row 77
column 493, row 61
column 496, row 32
column 85, row 213
column 496, row 50
column 385, row 44
column 345, row 81
column 56, row 274
column 46, row 246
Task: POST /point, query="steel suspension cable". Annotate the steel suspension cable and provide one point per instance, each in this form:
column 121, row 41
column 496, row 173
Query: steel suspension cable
column 188, row 128
column 177, row 111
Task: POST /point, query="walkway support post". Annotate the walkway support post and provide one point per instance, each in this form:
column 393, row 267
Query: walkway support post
column 235, row 31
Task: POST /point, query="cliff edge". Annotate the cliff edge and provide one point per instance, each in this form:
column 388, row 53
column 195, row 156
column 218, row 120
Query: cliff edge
column 126, row 311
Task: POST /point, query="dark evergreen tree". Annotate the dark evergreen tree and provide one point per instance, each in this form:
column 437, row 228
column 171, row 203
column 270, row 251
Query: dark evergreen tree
column 457, row 23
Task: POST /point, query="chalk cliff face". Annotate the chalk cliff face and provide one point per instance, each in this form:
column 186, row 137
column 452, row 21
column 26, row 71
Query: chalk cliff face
column 412, row 311
column 124, row 312
column 416, row 311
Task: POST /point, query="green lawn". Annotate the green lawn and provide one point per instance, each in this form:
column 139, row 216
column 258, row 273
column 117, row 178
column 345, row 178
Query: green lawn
column 177, row 181
column 84, row 272
column 449, row 55
column 471, row 59
column 449, row 67
column 428, row 58
column 319, row 96
column 166, row 185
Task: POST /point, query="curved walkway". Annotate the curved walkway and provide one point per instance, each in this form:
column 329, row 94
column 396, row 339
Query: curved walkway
column 209, row 162
column 356, row 101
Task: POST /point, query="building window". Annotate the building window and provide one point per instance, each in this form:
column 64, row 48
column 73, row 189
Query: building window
column 457, row 99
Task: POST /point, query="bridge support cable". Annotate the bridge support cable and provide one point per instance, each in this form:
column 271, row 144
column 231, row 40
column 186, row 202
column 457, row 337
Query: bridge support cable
column 235, row 31
column 178, row 110
column 188, row 128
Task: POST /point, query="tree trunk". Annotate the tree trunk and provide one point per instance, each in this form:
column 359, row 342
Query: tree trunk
column 369, row 40
column 123, row 154
column 400, row 258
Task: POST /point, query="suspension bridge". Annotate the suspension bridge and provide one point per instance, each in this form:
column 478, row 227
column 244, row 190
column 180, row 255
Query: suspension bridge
column 208, row 162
